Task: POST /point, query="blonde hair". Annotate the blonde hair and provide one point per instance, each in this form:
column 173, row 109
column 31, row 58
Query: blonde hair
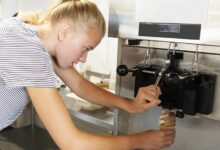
column 82, row 13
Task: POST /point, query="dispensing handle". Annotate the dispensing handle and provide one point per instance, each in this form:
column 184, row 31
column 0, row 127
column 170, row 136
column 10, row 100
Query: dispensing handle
column 123, row 70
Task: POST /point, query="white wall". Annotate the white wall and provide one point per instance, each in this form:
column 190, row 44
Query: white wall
column 214, row 12
column 10, row 7
column 30, row 5
column 1, row 9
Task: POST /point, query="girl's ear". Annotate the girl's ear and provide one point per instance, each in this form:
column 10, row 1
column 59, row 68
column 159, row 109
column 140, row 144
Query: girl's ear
column 63, row 31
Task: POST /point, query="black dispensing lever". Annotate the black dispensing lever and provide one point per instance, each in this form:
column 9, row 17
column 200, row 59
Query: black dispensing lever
column 123, row 70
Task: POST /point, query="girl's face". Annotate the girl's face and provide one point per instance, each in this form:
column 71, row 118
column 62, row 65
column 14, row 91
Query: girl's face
column 74, row 47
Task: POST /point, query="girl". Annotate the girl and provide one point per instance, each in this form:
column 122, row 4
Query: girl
column 33, row 49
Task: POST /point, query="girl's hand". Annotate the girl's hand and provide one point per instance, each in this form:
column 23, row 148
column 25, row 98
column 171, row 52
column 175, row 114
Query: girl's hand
column 146, row 98
column 155, row 140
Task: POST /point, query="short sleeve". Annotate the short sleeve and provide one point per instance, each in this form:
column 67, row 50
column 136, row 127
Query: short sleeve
column 25, row 63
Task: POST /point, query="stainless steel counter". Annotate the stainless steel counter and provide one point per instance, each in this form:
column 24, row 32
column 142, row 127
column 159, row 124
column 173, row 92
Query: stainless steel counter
column 26, row 138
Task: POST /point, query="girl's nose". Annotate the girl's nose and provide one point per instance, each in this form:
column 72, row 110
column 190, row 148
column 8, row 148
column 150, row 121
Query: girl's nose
column 83, row 57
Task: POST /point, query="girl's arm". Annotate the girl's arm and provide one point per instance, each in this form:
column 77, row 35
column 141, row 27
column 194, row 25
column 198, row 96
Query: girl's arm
column 58, row 122
column 97, row 95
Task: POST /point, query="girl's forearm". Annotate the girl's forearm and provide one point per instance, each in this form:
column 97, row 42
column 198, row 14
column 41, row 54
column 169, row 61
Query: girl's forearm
column 100, row 96
column 94, row 142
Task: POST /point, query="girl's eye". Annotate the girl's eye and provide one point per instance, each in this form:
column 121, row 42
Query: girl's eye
column 88, row 49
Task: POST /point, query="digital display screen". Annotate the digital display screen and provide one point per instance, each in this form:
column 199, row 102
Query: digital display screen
column 170, row 28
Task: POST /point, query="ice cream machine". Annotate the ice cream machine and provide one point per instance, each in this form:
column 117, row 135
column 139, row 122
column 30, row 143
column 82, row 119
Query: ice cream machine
column 187, row 90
